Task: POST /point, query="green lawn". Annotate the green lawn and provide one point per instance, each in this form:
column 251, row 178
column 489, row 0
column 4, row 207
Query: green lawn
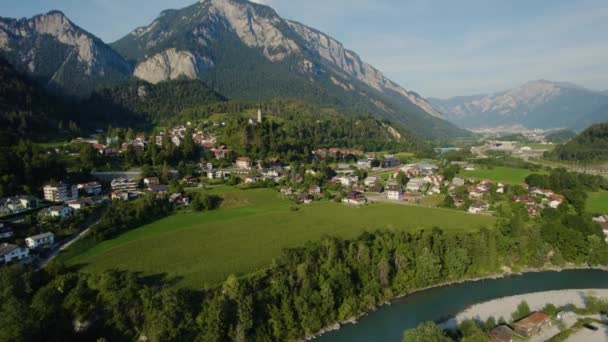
column 598, row 202
column 498, row 174
column 248, row 232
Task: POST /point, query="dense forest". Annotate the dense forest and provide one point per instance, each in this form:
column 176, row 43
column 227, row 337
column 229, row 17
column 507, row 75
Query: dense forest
column 589, row 146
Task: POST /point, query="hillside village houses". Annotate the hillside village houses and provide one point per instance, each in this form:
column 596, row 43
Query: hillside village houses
column 59, row 211
column 355, row 198
column 393, row 192
column 243, row 163
column 11, row 253
column 40, row 240
column 17, row 204
column 60, row 192
column 90, row 188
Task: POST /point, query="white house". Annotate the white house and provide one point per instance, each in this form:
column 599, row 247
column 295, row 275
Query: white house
column 416, row 184
column 478, row 207
column 10, row 253
column 370, row 180
column 43, row 239
column 393, row 192
column 457, row 181
column 61, row 211
column 365, row 163
column 124, row 184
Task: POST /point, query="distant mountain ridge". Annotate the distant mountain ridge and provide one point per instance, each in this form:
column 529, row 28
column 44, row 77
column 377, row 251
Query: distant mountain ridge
column 59, row 54
column 535, row 104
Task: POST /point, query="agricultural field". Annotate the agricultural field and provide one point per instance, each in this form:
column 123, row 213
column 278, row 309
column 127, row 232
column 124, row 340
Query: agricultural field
column 498, row 174
column 598, row 202
column 247, row 233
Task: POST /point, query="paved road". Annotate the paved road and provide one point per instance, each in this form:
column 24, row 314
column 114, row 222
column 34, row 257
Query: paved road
column 90, row 221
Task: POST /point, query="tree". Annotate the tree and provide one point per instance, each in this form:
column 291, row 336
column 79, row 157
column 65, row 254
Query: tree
column 523, row 310
column 426, row 332
column 402, row 178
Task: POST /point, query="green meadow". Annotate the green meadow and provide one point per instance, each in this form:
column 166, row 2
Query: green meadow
column 247, row 233
column 598, row 202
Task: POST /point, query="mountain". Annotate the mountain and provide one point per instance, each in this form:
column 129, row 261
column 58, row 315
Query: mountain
column 246, row 51
column 536, row 104
column 591, row 145
column 59, row 54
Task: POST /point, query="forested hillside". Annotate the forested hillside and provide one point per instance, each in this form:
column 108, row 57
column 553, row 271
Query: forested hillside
column 24, row 106
column 589, row 146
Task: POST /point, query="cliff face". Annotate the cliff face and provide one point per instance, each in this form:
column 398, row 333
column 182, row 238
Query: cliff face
column 60, row 54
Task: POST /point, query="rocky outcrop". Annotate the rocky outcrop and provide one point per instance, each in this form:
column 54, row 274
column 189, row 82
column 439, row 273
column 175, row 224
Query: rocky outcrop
column 51, row 48
column 169, row 65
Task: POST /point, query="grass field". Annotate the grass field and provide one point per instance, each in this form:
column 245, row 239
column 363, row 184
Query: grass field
column 598, row 202
column 245, row 235
column 498, row 174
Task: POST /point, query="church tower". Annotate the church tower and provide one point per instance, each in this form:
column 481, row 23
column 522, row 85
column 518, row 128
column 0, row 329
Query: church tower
column 259, row 115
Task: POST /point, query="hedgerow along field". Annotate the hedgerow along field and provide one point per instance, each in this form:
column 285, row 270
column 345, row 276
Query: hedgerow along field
column 247, row 233
column 503, row 174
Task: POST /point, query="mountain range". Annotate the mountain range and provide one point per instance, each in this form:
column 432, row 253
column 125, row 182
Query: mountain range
column 536, row 104
column 240, row 49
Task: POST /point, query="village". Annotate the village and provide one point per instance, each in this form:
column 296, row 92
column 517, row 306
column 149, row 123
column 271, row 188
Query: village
column 350, row 176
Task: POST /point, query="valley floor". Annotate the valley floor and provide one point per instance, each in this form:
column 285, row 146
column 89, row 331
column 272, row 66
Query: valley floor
column 247, row 233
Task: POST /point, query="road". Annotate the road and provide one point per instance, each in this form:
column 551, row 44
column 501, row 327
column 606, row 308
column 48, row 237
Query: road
column 92, row 220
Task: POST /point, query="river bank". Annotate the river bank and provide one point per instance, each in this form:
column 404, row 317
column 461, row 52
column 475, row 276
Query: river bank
column 507, row 272
column 505, row 306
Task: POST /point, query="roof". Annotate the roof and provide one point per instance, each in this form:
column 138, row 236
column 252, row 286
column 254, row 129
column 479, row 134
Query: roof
column 6, row 248
column 40, row 236
column 5, row 230
column 532, row 320
column 246, row 159
column 501, row 333
column 394, row 188
column 57, row 207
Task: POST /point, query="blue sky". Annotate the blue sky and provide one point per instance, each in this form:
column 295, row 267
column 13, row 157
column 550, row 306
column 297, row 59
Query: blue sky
column 437, row 48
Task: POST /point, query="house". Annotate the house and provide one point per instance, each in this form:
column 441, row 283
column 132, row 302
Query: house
column 44, row 239
column 315, row 190
column 151, row 181
column 416, row 184
column 390, row 161
column 525, row 199
column 286, row 190
column 60, row 192
column 251, row 179
column 221, row 152
column 120, row 195
column 355, row 198
column 475, row 192
column 179, row 198
column 90, row 188
column 10, row 253
column 61, row 211
column 502, row 333
column 243, row 163
column 532, row 210
column 532, row 324
column 347, row 181
column 457, row 181
column 411, row 197
column 81, row 203
column 158, row 189
column 478, row 207
column 305, row 198
column 124, row 184
column 370, row 180
column 5, row 231
column 393, row 192
column 375, row 188
column 555, row 200
column 365, row 163
column 426, row 168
